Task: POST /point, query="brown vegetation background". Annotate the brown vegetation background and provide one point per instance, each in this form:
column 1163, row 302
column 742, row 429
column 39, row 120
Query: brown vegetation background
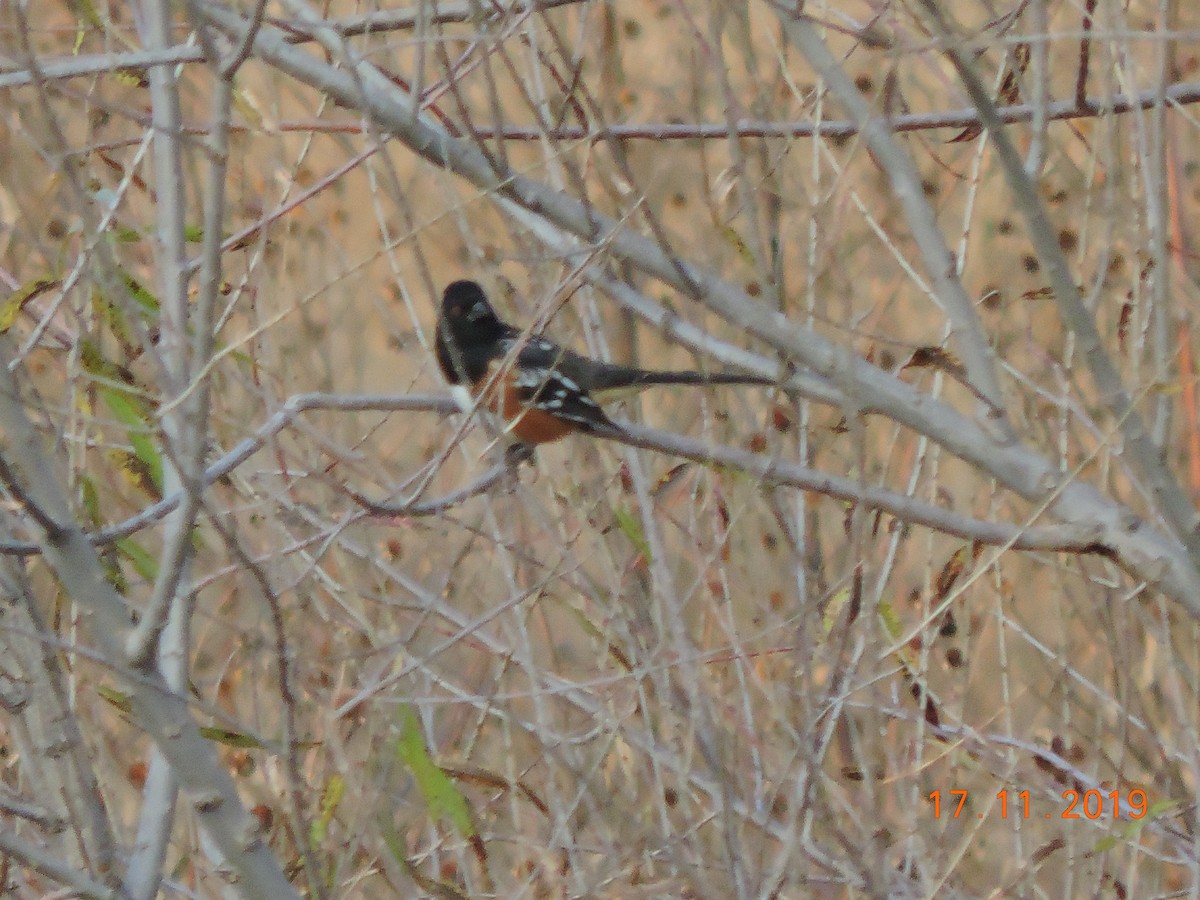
column 617, row 671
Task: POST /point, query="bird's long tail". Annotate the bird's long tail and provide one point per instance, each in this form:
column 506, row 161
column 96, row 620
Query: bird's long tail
column 636, row 379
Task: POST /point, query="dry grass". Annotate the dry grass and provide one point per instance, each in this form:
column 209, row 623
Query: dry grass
column 645, row 677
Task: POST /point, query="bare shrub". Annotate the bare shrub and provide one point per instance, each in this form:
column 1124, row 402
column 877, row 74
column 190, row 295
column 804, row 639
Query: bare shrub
column 920, row 620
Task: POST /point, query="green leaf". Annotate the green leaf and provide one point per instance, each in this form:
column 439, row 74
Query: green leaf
column 135, row 471
column 735, row 241
column 441, row 796
column 1155, row 812
column 86, row 15
column 130, row 412
column 392, row 840
column 90, row 499
column 629, row 523
column 1159, row 809
column 131, row 77
column 431, row 886
column 118, row 324
column 891, row 621
column 16, row 301
column 142, row 295
column 833, row 609
column 143, row 562
column 95, row 363
column 231, row 738
column 119, row 699
column 331, row 798
column 113, row 315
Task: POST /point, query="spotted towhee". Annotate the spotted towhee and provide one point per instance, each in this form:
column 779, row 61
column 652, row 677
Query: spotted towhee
column 542, row 391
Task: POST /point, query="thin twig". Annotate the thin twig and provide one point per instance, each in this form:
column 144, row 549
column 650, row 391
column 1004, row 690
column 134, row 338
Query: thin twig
column 1085, row 53
column 1080, row 106
column 184, row 427
column 53, row 866
column 1146, row 553
column 1170, row 499
column 973, row 343
column 295, row 793
column 417, row 508
column 160, row 711
column 246, row 448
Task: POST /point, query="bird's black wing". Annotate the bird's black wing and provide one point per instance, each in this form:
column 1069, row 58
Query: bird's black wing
column 551, row 390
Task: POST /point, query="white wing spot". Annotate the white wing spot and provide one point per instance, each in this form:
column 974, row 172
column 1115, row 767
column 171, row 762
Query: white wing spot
column 529, row 378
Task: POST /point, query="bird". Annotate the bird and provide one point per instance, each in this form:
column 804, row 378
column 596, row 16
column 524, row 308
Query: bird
column 540, row 390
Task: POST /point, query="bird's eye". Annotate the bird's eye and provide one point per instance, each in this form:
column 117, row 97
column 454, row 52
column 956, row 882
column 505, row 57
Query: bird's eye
column 478, row 311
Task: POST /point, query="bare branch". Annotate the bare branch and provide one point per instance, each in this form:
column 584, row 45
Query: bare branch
column 1146, row 456
column 53, row 866
column 157, row 708
column 244, row 450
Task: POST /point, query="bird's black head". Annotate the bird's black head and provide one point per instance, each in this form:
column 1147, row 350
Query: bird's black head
column 465, row 307
column 468, row 332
